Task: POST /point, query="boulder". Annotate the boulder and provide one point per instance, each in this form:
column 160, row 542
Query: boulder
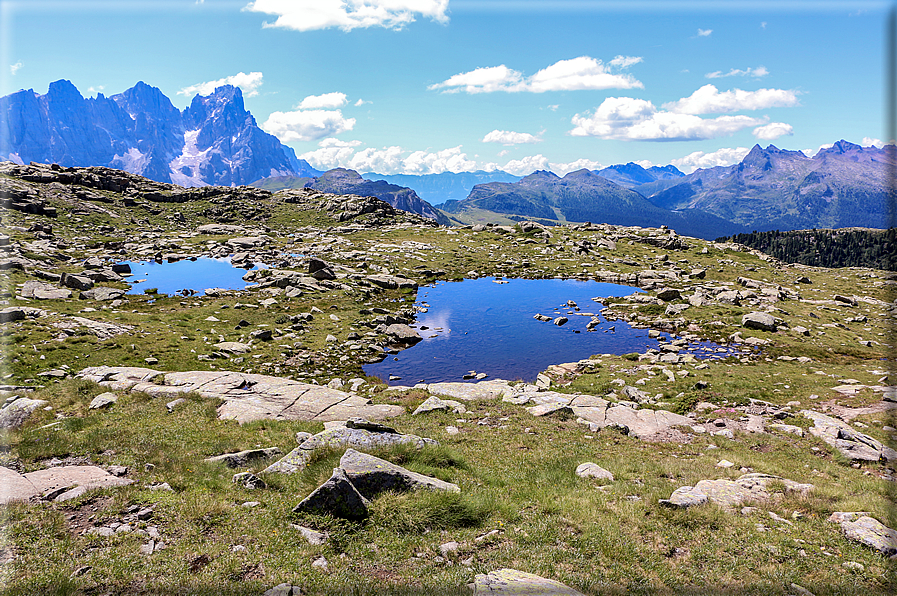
column 434, row 403
column 403, row 334
column 242, row 459
column 372, row 475
column 341, row 436
column 512, row 582
column 102, row 294
column 592, row 470
column 16, row 413
column 759, row 320
column 729, row 493
column 337, row 497
column 41, row 291
column 103, row 400
column 668, row 294
column 872, row 533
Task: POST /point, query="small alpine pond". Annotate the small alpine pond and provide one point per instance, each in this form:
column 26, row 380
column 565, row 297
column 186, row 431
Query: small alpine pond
column 486, row 325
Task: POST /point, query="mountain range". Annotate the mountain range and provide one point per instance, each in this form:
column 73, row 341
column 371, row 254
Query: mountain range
column 445, row 186
column 342, row 181
column 845, row 185
column 214, row 141
column 583, row 196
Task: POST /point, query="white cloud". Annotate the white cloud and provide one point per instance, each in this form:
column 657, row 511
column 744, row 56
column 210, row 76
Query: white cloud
column 503, row 152
column 704, row 32
column 308, row 15
column 709, row 100
column 763, row 25
column 527, row 165
column 14, row 68
column 872, row 142
column 721, row 157
column 554, row 107
column 249, row 83
column 307, row 125
column 563, row 168
column 483, row 80
column 361, row 102
column 388, row 160
column 812, row 152
column 325, row 101
column 626, row 118
column 507, row 137
column 758, row 72
column 96, row 89
column 773, row 130
column 579, row 73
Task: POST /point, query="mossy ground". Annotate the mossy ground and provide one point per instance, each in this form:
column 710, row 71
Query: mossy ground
column 608, row 539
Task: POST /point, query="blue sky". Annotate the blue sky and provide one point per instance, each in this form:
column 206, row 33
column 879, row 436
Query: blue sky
column 423, row 86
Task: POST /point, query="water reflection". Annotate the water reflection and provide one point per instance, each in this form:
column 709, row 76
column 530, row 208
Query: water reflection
column 482, row 326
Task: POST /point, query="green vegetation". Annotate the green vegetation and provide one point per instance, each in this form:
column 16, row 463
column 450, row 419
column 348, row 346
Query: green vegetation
column 848, row 247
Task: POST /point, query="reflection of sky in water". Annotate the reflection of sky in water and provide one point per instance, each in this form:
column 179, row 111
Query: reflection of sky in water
column 198, row 275
column 489, row 328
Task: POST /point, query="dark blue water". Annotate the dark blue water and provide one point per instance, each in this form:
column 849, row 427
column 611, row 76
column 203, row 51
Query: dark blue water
column 198, row 275
column 489, row 328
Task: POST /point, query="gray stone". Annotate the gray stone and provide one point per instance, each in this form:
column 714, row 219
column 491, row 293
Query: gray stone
column 372, row 475
column 560, row 321
column 248, row 480
column 668, row 294
column 759, row 320
column 872, row 533
column 592, row 470
column 519, row 583
column 311, row 536
column 242, row 459
column 847, row 440
column 41, row 291
column 434, row 403
column 730, row 493
column 232, row 347
column 283, row 589
column 403, row 334
column 102, row 293
column 337, row 497
column 15, row 414
column 246, row 397
column 103, row 400
column 76, row 282
column 341, row 436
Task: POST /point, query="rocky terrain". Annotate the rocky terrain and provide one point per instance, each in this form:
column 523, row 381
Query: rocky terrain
column 228, row 441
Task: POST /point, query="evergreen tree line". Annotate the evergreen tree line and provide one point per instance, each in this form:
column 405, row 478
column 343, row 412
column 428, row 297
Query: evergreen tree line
column 827, row 248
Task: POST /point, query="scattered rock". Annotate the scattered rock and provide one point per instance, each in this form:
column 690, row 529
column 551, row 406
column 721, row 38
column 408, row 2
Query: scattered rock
column 592, row 470
column 372, row 475
column 729, row 493
column 242, row 459
column 759, row 320
column 511, row 581
column 868, row 531
column 14, row 414
column 337, row 497
column 249, row 480
column 103, row 400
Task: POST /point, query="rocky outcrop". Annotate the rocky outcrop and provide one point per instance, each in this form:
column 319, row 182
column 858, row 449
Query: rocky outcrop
column 729, row 493
column 57, row 484
column 341, row 435
column 246, row 396
column 510, row 582
column 859, row 527
column 847, row 440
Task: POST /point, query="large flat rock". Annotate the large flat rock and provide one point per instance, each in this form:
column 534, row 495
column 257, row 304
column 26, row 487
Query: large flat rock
column 847, row 440
column 22, row 487
column 246, row 397
column 519, row 583
column 372, row 475
column 729, row 493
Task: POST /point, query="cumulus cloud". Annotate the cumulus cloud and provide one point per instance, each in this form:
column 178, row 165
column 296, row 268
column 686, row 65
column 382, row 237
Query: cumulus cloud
column 773, row 130
column 361, row 102
column 579, row 73
column 96, row 89
column 527, row 165
column 333, row 153
column 507, row 137
column 704, row 32
column 709, row 100
column 307, row 125
column 626, row 118
column 249, row 83
column 563, row 168
column 758, row 72
column 308, row 15
column 325, row 101
column 721, row 157
column 14, row 68
column 872, row 142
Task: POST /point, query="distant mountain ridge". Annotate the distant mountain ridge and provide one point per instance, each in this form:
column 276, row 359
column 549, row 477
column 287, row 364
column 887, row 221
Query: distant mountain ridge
column 843, row 186
column 342, row 181
column 631, row 174
column 445, row 186
column 214, row 141
column 582, row 196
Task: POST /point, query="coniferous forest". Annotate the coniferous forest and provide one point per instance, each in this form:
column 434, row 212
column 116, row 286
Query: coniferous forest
column 847, row 247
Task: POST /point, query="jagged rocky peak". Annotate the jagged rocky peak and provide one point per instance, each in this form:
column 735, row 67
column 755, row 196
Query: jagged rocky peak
column 214, row 141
